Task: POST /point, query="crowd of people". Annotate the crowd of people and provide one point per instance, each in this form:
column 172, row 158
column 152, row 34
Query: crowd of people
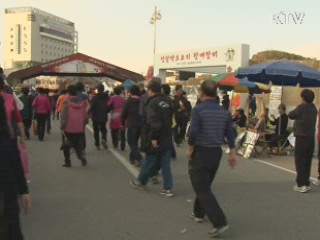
column 152, row 123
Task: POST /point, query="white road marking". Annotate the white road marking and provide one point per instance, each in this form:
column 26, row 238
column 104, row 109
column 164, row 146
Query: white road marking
column 135, row 172
column 121, row 159
column 278, row 167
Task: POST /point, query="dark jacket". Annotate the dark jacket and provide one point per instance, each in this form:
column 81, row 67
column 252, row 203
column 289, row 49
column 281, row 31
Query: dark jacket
column 241, row 121
column 182, row 114
column 157, row 123
column 305, row 116
column 226, row 102
column 99, row 108
column 12, row 177
column 143, row 100
column 26, row 112
column 130, row 113
column 284, row 124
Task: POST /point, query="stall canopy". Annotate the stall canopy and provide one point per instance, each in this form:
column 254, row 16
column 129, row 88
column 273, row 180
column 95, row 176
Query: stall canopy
column 77, row 64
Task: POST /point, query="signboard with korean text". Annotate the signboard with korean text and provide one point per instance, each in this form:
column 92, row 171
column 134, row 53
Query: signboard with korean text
column 231, row 57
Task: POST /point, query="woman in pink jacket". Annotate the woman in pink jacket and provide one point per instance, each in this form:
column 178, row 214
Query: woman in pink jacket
column 116, row 104
column 42, row 107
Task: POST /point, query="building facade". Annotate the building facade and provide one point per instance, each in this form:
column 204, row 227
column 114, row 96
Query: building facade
column 32, row 36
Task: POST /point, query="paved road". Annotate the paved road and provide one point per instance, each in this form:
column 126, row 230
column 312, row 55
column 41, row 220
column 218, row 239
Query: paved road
column 97, row 203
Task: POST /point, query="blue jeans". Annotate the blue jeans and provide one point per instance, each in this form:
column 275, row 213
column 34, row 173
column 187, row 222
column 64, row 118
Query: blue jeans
column 149, row 164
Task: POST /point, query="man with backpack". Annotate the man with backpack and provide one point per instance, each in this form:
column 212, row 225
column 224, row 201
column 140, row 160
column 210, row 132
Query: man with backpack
column 99, row 116
column 74, row 118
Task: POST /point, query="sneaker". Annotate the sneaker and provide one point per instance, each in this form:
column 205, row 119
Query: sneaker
column 104, row 144
column 137, row 164
column 216, row 232
column 196, row 219
column 98, row 148
column 316, row 182
column 155, row 179
column 138, row 185
column 308, row 188
column 167, row 193
column 302, row 189
column 83, row 161
column 66, row 165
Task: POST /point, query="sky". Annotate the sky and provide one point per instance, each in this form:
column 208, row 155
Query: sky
column 119, row 32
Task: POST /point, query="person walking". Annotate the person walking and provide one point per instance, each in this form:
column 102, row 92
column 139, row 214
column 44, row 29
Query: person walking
column 132, row 118
column 99, row 116
column 226, row 101
column 317, row 180
column 42, row 108
column 63, row 97
column 81, row 92
column 304, row 129
column 156, row 139
column 13, row 184
column 54, row 105
column 26, row 112
column 210, row 124
column 165, row 89
column 118, row 133
column 182, row 115
column 48, row 121
column 73, row 119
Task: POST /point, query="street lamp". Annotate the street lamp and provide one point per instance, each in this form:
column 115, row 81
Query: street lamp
column 155, row 17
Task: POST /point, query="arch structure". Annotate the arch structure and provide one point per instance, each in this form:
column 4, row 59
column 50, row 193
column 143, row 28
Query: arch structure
column 78, row 65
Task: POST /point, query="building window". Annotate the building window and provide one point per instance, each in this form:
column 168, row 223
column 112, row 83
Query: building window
column 11, row 29
column 41, row 51
column 11, row 36
column 11, row 50
column 11, row 43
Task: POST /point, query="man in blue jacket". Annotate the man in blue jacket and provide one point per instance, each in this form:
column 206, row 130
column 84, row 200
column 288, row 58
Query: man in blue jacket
column 210, row 124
